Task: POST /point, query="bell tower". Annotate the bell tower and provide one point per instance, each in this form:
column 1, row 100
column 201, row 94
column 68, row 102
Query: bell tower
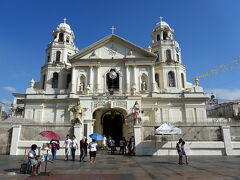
column 170, row 73
column 56, row 73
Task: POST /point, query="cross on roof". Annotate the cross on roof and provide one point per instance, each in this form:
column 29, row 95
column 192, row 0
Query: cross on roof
column 64, row 20
column 113, row 29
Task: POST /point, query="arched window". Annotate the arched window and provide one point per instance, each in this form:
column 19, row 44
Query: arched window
column 58, row 56
column 69, row 78
column 112, row 81
column 168, row 55
column 165, row 35
column 48, row 58
column 67, row 39
column 171, row 79
column 55, row 80
column 144, row 82
column 43, row 81
column 158, row 37
column 157, row 79
column 178, row 58
column 182, row 77
column 60, row 39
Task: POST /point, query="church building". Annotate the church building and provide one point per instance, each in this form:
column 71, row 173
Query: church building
column 107, row 79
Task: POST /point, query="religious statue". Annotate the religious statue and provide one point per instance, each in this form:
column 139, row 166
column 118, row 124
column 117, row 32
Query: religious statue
column 77, row 111
column 81, row 87
column 196, row 80
column 143, row 86
column 32, row 83
column 136, row 113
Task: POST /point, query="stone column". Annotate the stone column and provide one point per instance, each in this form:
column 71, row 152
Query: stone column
column 73, row 88
column 127, row 79
column 78, row 133
column 91, row 78
column 153, row 82
column 16, row 131
column 138, row 139
column 98, row 79
column 227, row 140
column 134, row 76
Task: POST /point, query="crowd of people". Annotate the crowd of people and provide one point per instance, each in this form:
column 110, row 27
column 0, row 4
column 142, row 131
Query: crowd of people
column 70, row 146
column 127, row 147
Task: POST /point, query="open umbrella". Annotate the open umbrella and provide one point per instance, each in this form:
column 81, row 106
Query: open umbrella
column 96, row 136
column 50, row 135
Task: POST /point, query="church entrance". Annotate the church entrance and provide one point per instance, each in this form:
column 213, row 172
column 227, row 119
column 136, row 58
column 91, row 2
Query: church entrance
column 113, row 125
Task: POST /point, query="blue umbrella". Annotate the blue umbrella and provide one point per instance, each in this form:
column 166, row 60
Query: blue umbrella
column 96, row 136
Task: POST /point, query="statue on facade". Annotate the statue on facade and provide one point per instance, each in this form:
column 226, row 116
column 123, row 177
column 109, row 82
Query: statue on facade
column 77, row 111
column 196, row 80
column 81, row 87
column 143, row 86
column 136, row 113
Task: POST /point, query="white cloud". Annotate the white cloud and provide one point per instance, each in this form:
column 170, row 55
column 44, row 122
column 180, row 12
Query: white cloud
column 6, row 102
column 8, row 88
column 226, row 94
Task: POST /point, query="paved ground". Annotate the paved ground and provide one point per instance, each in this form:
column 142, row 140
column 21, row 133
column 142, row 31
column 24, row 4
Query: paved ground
column 117, row 167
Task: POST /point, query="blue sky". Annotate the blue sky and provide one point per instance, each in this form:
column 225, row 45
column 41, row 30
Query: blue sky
column 207, row 31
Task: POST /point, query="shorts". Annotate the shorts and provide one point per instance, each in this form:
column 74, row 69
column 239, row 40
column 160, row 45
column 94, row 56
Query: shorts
column 182, row 153
column 33, row 162
column 92, row 153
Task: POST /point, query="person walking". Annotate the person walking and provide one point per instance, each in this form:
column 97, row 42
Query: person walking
column 132, row 142
column 74, row 146
column 179, row 149
column 122, row 146
column 112, row 145
column 104, row 143
column 67, row 143
column 92, row 151
column 54, row 147
column 33, row 159
column 183, row 153
column 83, row 149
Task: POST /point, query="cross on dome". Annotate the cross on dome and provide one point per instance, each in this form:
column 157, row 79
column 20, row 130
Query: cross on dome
column 64, row 20
column 161, row 18
column 113, row 29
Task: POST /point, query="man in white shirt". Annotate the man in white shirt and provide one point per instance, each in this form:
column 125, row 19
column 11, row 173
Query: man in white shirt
column 74, row 146
column 67, row 143
column 92, row 151
column 33, row 159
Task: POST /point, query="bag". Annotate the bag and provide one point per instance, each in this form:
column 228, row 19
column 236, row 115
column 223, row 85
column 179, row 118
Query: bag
column 58, row 146
column 23, row 168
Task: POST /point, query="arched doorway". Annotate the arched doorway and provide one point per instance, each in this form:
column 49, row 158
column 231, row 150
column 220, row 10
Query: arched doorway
column 112, row 123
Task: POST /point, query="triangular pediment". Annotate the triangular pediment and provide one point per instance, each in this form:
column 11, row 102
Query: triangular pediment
column 113, row 47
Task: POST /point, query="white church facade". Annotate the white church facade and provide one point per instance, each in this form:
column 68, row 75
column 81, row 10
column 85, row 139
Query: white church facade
column 108, row 78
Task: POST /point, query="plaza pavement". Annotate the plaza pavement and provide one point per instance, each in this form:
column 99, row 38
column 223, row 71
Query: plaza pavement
column 118, row 167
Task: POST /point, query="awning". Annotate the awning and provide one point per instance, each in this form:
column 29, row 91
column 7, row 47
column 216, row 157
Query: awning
column 168, row 129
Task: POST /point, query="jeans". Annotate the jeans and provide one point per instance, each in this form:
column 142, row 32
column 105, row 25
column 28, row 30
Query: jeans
column 54, row 153
column 73, row 150
column 83, row 154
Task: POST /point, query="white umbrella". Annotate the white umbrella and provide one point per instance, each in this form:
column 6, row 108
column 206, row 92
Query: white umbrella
column 167, row 128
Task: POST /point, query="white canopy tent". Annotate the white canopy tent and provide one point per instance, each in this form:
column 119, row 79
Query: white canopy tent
column 167, row 129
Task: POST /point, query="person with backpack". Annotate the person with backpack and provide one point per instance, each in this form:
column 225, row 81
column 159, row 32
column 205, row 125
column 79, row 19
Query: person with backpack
column 54, row 147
